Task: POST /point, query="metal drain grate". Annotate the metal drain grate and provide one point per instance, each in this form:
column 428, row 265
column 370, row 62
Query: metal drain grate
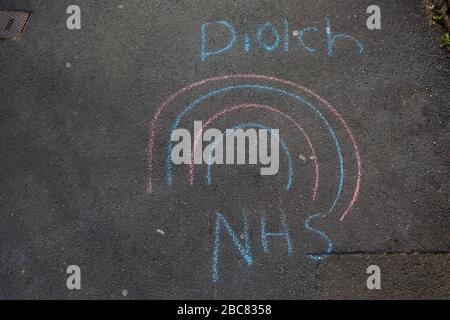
column 13, row 23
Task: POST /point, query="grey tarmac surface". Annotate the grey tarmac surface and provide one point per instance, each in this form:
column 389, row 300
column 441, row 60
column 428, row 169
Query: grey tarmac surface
column 76, row 108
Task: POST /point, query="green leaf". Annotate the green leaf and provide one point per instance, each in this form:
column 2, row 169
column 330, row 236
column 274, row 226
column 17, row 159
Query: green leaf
column 445, row 41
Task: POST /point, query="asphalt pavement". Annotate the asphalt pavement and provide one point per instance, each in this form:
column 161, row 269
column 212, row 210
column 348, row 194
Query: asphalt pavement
column 85, row 131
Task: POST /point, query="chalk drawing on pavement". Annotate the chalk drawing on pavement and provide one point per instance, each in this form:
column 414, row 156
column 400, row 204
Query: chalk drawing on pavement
column 301, row 100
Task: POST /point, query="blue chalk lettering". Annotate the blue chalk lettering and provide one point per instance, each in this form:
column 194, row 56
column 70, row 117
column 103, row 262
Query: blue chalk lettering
column 333, row 37
column 279, row 35
column 301, row 38
column 246, row 42
column 286, row 35
column 284, row 234
column 322, row 235
column 204, row 53
column 259, row 36
column 244, row 250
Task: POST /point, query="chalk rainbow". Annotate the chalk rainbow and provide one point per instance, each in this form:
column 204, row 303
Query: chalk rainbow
column 265, row 84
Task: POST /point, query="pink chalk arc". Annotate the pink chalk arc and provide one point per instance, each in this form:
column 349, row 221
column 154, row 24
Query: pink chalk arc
column 264, row 107
column 165, row 103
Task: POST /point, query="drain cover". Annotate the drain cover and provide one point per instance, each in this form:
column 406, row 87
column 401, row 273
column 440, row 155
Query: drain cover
column 13, row 23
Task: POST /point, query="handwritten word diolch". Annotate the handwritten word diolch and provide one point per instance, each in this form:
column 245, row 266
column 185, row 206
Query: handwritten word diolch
column 269, row 38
